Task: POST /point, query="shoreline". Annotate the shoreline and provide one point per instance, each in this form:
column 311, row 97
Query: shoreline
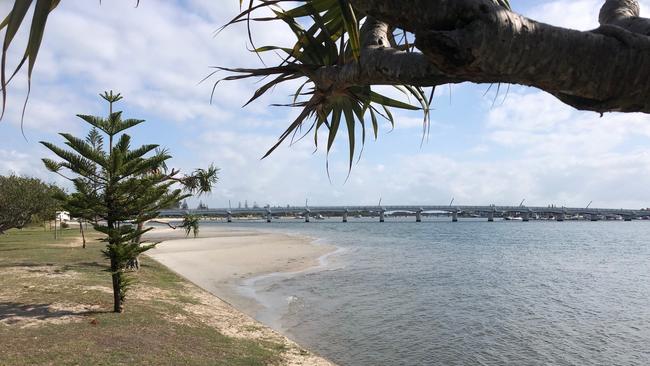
column 227, row 262
column 248, row 288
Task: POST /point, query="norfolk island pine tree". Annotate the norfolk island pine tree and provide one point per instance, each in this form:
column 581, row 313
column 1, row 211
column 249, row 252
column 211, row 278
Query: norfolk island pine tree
column 119, row 188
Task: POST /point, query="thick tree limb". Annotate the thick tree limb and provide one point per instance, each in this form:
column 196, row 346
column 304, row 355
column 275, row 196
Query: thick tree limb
column 417, row 15
column 586, row 70
column 480, row 41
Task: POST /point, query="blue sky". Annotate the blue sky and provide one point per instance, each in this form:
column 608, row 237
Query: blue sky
column 526, row 145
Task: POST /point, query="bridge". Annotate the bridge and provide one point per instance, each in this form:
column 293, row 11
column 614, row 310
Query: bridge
column 521, row 212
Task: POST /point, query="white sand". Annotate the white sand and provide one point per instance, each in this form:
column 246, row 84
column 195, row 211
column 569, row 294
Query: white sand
column 221, row 258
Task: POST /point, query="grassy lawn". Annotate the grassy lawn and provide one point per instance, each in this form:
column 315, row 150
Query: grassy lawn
column 55, row 305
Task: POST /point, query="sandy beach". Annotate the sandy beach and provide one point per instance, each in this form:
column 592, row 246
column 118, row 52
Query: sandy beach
column 222, row 258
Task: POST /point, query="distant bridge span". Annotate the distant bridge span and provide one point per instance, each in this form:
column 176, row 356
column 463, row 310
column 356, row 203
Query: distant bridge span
column 525, row 212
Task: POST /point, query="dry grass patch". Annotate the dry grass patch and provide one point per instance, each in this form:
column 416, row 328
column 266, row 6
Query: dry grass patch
column 44, row 272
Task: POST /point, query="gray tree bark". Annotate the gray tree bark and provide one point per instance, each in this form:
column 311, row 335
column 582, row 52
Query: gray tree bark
column 603, row 70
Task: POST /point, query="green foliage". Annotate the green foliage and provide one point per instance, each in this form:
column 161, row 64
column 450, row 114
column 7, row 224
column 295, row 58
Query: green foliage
column 201, row 180
column 119, row 187
column 327, row 34
column 24, row 200
column 190, row 224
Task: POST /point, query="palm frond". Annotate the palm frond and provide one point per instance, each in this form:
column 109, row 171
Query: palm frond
column 326, row 35
column 11, row 24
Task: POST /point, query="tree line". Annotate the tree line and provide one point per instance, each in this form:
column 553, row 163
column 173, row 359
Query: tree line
column 27, row 200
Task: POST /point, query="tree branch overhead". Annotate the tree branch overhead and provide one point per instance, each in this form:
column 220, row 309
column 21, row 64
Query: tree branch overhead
column 343, row 48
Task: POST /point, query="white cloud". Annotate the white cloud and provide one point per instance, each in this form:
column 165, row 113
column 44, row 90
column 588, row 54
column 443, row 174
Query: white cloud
column 12, row 161
column 540, row 124
column 155, row 54
column 575, row 14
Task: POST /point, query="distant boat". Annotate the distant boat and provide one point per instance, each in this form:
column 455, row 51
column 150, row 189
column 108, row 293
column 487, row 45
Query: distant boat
column 359, row 216
column 512, row 218
column 319, row 217
column 299, row 217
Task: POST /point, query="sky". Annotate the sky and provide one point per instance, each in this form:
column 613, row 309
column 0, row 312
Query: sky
column 483, row 148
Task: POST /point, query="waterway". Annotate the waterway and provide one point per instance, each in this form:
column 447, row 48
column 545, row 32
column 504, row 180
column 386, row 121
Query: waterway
column 467, row 293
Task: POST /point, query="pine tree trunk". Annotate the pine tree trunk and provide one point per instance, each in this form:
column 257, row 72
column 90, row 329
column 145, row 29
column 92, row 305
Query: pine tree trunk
column 83, row 235
column 116, row 274
column 117, row 281
column 138, row 240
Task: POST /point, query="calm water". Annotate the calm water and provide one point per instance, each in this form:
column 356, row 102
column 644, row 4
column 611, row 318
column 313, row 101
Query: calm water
column 469, row 293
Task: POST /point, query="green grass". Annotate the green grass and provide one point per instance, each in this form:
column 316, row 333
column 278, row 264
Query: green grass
column 38, row 272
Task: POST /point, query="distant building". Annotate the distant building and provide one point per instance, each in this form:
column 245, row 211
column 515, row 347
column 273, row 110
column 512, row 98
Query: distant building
column 63, row 216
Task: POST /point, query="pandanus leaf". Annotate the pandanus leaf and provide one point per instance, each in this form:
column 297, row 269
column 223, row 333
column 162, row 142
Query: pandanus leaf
column 326, row 35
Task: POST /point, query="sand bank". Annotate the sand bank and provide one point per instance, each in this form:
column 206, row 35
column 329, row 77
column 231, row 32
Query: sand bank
column 221, row 258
